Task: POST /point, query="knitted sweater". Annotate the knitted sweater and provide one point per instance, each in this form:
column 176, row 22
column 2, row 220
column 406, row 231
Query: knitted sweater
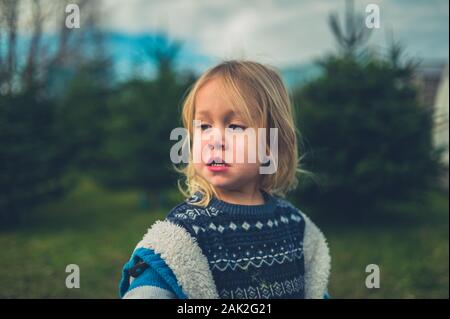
column 229, row 251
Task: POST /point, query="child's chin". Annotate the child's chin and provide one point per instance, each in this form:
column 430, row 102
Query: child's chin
column 220, row 182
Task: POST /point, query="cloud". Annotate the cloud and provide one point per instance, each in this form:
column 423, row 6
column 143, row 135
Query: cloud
column 278, row 32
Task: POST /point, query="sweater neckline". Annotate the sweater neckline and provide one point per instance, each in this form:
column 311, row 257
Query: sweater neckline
column 268, row 207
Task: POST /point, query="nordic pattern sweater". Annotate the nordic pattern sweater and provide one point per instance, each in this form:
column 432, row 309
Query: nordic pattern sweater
column 229, row 251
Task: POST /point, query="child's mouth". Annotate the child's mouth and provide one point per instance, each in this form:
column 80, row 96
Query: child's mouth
column 217, row 165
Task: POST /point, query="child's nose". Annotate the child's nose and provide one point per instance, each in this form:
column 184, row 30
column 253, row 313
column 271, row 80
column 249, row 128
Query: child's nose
column 218, row 140
column 217, row 144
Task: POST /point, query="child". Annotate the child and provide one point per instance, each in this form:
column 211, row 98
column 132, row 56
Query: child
column 234, row 237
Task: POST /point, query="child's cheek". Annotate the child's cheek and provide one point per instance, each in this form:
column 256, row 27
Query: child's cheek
column 198, row 149
column 243, row 152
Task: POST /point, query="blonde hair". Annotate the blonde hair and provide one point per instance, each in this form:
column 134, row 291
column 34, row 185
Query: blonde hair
column 259, row 95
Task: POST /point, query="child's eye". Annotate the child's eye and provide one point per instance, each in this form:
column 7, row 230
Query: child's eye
column 204, row 127
column 237, row 126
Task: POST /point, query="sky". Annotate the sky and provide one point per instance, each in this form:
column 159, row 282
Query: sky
column 284, row 33
column 288, row 34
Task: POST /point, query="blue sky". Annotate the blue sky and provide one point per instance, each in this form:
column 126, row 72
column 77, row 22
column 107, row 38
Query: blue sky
column 283, row 33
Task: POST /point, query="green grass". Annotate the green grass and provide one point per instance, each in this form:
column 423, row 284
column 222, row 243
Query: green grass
column 97, row 230
column 94, row 229
column 411, row 249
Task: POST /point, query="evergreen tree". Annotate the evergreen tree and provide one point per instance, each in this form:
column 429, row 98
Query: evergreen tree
column 370, row 140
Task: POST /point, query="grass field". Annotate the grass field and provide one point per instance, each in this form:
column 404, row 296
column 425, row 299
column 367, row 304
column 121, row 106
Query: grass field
column 97, row 230
column 411, row 250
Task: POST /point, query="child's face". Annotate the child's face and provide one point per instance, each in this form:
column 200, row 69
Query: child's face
column 216, row 115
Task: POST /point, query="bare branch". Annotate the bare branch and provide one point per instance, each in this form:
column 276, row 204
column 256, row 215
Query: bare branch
column 33, row 50
column 9, row 9
column 353, row 34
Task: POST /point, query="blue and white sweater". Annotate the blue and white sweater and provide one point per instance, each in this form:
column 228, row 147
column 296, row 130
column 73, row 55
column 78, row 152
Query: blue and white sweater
column 229, row 251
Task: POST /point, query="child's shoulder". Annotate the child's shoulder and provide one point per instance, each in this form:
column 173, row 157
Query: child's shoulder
column 315, row 251
column 312, row 231
column 287, row 207
column 174, row 242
